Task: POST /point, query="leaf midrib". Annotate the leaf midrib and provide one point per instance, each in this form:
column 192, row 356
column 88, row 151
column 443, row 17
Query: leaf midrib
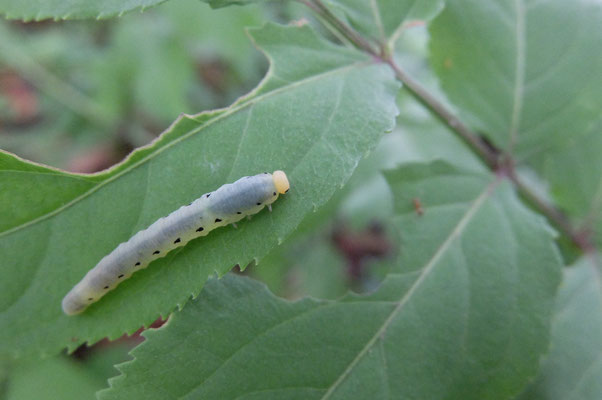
column 519, row 73
column 228, row 112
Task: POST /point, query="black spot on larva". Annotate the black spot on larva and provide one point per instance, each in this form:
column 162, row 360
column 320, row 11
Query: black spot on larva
column 265, row 172
column 156, row 252
column 286, row 191
column 238, row 212
column 106, row 287
column 120, row 276
column 274, row 194
column 200, row 229
column 208, row 194
column 138, row 263
column 218, row 220
column 177, row 240
column 90, row 299
column 258, row 204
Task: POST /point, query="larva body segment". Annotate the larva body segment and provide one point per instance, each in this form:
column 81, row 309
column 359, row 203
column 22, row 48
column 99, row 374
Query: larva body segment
column 228, row 204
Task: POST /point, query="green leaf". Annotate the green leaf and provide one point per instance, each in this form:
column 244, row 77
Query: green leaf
column 573, row 368
column 466, row 315
column 20, row 179
column 385, row 19
column 525, row 73
column 320, row 109
column 71, row 9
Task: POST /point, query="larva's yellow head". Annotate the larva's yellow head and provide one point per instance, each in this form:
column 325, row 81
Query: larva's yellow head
column 281, row 182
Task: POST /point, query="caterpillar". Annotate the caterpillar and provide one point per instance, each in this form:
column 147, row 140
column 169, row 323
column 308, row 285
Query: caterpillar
column 226, row 205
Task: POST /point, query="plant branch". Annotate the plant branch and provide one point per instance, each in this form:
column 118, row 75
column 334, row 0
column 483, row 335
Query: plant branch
column 498, row 161
column 581, row 239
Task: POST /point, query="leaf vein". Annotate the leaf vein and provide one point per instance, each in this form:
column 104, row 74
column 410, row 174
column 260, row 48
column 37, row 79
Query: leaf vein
column 243, row 135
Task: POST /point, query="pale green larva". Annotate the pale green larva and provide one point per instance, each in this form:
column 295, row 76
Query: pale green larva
column 226, row 205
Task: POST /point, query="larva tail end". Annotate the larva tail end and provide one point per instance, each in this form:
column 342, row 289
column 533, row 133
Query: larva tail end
column 281, row 182
column 72, row 307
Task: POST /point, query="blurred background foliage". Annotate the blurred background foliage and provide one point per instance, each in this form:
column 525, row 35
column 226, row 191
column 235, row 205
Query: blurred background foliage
column 81, row 95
